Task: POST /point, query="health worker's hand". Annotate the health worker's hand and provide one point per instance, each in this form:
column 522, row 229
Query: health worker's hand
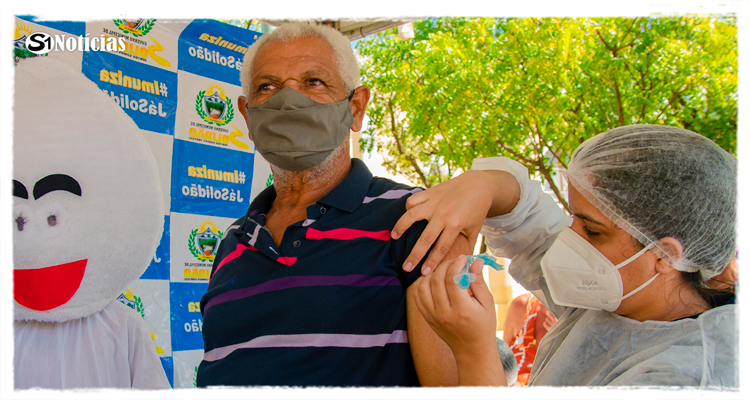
column 464, row 319
column 455, row 207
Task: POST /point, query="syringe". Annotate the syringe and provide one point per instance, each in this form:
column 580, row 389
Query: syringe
column 465, row 278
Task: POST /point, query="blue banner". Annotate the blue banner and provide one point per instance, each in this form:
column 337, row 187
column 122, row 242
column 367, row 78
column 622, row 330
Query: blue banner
column 147, row 94
column 168, row 365
column 214, row 49
column 187, row 321
column 208, row 180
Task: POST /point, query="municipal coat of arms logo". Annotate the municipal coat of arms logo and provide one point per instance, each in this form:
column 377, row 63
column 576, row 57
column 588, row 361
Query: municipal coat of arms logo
column 204, row 241
column 214, row 106
column 19, row 44
column 131, row 300
column 136, row 26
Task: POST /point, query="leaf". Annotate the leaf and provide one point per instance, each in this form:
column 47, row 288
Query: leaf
column 529, row 87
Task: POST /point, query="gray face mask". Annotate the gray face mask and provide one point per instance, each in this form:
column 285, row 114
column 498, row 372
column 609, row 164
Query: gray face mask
column 294, row 132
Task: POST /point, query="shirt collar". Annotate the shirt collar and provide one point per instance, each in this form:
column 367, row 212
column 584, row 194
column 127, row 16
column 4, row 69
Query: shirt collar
column 262, row 202
column 347, row 195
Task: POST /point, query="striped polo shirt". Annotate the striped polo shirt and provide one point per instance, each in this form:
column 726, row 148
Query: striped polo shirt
column 326, row 307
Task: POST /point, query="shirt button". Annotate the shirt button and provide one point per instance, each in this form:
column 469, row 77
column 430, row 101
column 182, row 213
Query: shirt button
column 323, row 210
column 296, row 244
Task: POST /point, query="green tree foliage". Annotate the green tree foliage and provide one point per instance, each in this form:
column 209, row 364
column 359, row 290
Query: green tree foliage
column 534, row 89
column 252, row 24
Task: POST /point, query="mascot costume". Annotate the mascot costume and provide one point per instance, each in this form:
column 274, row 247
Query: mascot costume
column 87, row 218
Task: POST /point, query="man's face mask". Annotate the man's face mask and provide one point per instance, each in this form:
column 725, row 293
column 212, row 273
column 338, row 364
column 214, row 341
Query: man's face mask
column 294, row 132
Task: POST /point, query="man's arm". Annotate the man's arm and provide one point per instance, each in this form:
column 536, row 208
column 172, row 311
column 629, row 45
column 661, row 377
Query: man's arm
column 433, row 359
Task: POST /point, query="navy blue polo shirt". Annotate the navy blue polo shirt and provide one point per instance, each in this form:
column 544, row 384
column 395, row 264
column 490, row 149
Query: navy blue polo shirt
column 325, row 308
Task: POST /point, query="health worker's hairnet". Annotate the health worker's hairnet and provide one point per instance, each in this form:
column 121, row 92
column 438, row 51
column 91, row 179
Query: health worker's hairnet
column 658, row 181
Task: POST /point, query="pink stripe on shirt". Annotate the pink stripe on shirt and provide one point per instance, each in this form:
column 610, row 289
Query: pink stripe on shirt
column 346, row 234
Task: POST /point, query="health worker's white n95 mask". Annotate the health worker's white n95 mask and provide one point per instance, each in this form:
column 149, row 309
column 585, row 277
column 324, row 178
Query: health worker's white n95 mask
column 579, row 275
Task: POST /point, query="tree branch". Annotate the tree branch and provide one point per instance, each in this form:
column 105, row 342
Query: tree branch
column 620, row 109
column 675, row 96
column 400, row 147
column 518, row 156
column 609, row 47
column 557, row 156
column 615, row 50
column 606, row 115
column 530, row 129
column 552, row 185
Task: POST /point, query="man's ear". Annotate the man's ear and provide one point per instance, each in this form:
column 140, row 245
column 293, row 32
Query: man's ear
column 358, row 105
column 671, row 252
column 241, row 102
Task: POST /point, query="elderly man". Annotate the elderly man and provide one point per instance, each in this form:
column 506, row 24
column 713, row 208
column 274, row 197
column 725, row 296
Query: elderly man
column 307, row 288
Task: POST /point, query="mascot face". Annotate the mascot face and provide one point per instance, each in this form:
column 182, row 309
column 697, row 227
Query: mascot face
column 87, row 207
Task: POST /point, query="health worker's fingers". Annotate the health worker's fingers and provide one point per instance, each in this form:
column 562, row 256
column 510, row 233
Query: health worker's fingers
column 423, row 298
column 477, row 266
column 467, row 298
column 457, row 295
column 422, row 246
column 416, row 199
column 438, row 284
column 407, row 220
column 412, row 214
column 444, row 243
column 424, row 309
column 479, row 288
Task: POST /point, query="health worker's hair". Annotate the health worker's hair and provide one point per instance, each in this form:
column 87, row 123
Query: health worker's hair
column 658, row 181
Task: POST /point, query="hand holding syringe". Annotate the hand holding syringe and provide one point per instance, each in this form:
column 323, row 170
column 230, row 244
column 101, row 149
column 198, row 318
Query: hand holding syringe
column 465, row 278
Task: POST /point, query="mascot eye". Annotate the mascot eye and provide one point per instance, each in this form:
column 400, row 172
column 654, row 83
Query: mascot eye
column 20, row 222
column 52, row 219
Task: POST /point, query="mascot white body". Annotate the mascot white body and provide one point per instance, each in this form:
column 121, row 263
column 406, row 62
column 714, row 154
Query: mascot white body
column 87, row 217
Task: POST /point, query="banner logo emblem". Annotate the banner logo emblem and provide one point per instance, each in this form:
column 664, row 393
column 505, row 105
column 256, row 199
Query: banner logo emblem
column 136, row 27
column 132, row 301
column 204, row 241
column 214, row 106
column 20, row 50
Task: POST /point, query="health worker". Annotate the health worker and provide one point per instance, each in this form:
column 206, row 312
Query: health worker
column 653, row 220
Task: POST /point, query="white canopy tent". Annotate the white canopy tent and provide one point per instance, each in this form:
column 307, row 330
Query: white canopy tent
column 358, row 28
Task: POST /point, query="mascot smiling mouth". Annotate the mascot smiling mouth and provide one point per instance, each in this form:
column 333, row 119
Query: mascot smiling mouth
column 43, row 289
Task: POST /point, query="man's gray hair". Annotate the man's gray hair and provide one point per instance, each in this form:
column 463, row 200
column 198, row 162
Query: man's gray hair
column 347, row 62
